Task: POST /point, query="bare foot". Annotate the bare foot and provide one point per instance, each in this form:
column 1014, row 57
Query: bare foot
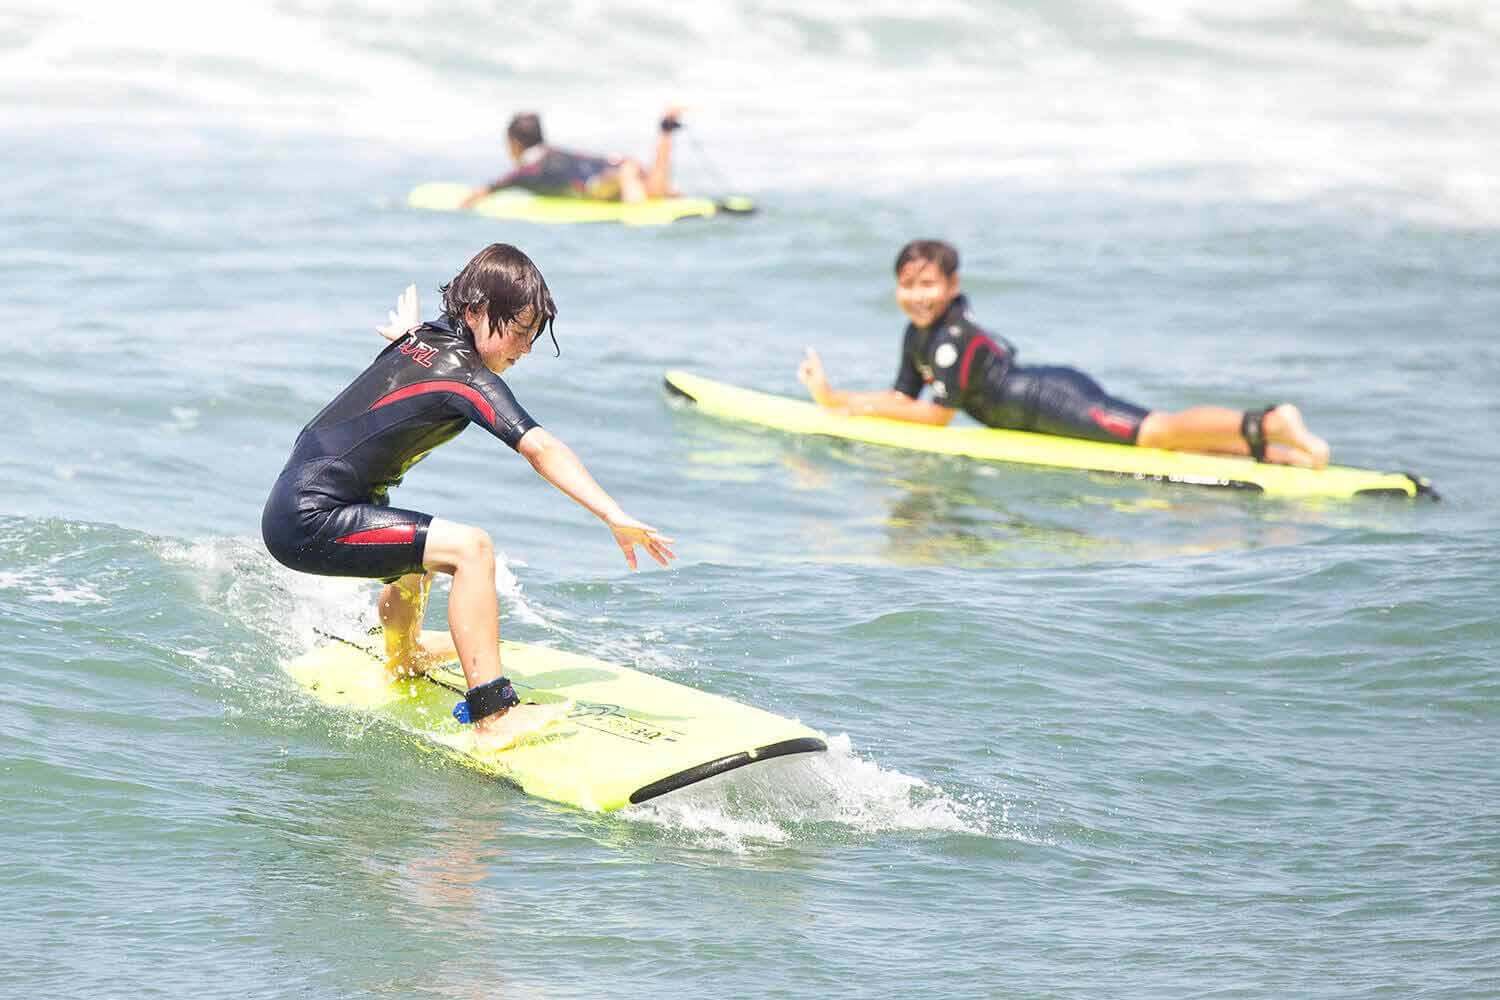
column 415, row 661
column 1284, row 426
column 1280, row 454
column 505, row 729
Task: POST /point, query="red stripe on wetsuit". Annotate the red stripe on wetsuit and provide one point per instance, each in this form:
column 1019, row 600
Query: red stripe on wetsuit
column 462, row 388
column 391, row 534
column 974, row 345
column 1112, row 423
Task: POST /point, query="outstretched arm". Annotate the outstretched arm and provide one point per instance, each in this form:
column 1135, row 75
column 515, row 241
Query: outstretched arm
column 403, row 319
column 476, row 195
column 479, row 193
column 556, row 463
column 884, row 403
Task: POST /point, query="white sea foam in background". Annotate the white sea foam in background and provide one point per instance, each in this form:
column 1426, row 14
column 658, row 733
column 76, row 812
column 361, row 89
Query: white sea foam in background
column 1379, row 105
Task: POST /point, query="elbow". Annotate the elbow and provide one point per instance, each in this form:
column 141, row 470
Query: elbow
column 533, row 447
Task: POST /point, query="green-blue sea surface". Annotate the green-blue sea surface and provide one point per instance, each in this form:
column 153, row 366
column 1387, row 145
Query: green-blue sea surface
column 1088, row 737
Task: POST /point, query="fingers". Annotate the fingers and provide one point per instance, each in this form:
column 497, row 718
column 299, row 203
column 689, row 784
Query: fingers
column 657, row 546
column 808, row 370
column 406, row 317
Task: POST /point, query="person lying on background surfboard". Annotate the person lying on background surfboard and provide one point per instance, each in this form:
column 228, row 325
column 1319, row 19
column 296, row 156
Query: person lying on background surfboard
column 975, row 371
column 547, row 170
column 329, row 511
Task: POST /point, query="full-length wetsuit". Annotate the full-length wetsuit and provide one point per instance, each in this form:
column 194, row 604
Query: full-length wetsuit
column 328, row 511
column 976, row 372
column 556, row 172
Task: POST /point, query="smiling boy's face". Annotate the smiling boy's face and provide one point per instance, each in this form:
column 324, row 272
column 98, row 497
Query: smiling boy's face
column 924, row 292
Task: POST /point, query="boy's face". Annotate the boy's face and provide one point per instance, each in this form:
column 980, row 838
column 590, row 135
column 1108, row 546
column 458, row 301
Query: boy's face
column 499, row 349
column 924, row 292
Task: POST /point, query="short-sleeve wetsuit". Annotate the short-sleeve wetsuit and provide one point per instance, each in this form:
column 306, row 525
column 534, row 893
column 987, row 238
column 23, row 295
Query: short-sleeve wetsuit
column 975, row 371
column 559, row 173
column 328, row 512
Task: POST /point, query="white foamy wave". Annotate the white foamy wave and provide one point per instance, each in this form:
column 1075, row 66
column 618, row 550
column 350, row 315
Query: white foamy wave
column 810, row 794
column 38, row 585
column 511, row 598
column 1382, row 105
column 295, row 611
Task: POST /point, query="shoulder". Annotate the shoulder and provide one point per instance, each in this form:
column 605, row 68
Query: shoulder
column 441, row 349
column 959, row 320
column 960, row 324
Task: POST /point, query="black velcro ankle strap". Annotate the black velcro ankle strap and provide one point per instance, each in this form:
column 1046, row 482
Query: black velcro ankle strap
column 1253, row 433
column 487, row 699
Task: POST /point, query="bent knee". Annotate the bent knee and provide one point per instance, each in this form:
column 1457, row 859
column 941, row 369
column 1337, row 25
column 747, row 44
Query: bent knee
column 452, row 546
column 475, row 549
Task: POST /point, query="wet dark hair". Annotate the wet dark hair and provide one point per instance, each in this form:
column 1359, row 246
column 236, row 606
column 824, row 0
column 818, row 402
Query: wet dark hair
column 502, row 281
column 526, row 128
column 944, row 255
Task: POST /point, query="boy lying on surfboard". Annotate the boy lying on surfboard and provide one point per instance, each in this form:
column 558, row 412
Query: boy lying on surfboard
column 547, row 170
column 329, row 511
column 975, row 371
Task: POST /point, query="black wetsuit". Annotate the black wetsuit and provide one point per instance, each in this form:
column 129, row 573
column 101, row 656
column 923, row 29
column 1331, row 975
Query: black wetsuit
column 328, row 511
column 559, row 173
column 976, row 372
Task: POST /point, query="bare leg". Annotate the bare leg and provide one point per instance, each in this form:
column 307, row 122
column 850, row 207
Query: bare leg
column 659, row 181
column 474, row 621
column 402, row 605
column 1201, row 428
column 1217, row 429
column 632, row 181
column 1284, row 426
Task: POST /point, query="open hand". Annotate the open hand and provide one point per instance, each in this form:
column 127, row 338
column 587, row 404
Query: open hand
column 810, row 373
column 406, row 317
column 629, row 533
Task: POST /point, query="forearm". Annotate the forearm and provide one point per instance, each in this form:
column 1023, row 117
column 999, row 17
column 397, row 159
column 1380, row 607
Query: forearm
column 556, row 463
column 890, row 404
column 838, row 399
column 485, row 190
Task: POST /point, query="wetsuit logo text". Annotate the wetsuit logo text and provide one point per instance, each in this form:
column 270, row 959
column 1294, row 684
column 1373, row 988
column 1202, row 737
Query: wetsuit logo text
column 418, row 352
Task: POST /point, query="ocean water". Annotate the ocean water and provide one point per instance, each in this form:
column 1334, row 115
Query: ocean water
column 1089, row 738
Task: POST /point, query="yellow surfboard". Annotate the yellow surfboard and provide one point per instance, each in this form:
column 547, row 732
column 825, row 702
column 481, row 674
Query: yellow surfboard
column 803, row 417
column 522, row 206
column 629, row 737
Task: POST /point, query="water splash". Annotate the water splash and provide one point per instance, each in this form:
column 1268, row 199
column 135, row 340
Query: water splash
column 836, row 795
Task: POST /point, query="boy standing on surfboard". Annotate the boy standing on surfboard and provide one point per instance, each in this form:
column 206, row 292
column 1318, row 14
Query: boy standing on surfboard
column 547, row 170
column 329, row 511
column 975, row 371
